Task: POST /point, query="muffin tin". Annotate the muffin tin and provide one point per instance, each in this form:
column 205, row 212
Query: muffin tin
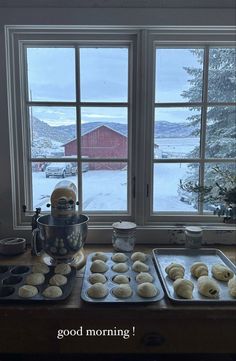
column 12, row 277
column 110, row 274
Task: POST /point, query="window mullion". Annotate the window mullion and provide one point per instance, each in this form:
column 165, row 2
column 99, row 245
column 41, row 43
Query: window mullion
column 142, row 163
column 203, row 123
column 78, row 126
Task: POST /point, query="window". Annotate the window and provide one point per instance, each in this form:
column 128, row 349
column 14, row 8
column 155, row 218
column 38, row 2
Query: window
column 194, row 124
column 78, row 112
column 127, row 115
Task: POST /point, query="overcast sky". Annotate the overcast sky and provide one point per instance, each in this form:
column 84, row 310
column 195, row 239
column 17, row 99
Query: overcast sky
column 103, row 77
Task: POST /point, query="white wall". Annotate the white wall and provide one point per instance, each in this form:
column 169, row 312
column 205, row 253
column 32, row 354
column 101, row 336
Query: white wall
column 222, row 16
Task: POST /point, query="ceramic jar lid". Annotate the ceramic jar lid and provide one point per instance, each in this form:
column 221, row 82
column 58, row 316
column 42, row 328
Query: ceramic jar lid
column 124, row 226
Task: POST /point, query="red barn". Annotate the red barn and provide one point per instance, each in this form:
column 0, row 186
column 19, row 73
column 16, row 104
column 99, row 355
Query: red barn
column 101, row 142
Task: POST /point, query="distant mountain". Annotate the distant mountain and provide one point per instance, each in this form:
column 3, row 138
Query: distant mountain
column 65, row 133
column 164, row 129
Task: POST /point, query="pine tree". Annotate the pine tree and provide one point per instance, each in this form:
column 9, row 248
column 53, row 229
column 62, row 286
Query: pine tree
column 221, row 119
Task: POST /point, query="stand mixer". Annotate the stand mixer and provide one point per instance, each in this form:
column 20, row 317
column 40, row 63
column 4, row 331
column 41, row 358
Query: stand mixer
column 61, row 234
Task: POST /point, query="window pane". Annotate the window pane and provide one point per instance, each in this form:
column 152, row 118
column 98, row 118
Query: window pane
column 52, row 130
column 104, row 74
column 177, row 132
column 221, row 132
column 105, row 187
column 45, row 176
column 104, row 132
column 167, row 195
column 222, row 75
column 223, row 174
column 51, row 74
column 179, row 74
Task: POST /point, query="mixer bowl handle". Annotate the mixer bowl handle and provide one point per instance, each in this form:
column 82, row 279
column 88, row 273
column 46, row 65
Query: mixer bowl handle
column 34, row 243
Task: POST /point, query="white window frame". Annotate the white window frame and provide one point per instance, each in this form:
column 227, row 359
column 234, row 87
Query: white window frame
column 181, row 39
column 16, row 47
column 144, row 41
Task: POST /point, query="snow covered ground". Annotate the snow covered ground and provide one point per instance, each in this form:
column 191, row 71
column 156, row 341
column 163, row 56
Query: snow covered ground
column 106, row 190
column 176, row 147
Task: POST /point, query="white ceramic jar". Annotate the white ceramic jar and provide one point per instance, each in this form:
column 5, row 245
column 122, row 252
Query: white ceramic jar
column 123, row 238
column 193, row 237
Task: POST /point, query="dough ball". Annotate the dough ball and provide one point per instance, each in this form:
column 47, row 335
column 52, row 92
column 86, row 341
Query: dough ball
column 40, row 268
column 119, row 257
column 139, row 266
column 183, row 288
column 232, row 287
column 63, row 268
column 98, row 266
column 144, row 277
column 121, row 279
column 58, row 280
column 27, row 291
column 175, row 270
column 199, row 269
column 120, row 267
column 97, row 278
column 122, row 291
column 146, row 290
column 98, row 290
column 221, row 272
column 208, row 287
column 100, row 255
column 52, row 292
column 35, row 279
column 139, row 256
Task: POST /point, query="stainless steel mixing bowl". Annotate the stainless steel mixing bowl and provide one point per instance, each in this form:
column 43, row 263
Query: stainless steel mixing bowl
column 61, row 238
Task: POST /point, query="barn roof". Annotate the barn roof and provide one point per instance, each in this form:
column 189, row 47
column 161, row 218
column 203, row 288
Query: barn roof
column 93, row 126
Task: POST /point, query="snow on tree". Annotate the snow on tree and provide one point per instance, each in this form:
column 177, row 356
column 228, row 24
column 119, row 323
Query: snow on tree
column 221, row 119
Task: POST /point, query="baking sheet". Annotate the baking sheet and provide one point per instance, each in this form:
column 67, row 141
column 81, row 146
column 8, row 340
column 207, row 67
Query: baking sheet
column 110, row 298
column 12, row 277
column 164, row 256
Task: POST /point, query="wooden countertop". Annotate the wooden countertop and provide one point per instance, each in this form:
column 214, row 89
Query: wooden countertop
column 159, row 327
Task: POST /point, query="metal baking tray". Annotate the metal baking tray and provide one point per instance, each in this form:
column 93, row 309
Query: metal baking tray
column 164, row 256
column 12, row 277
column 110, row 297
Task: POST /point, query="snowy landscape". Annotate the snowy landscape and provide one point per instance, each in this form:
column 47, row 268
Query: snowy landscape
column 106, row 190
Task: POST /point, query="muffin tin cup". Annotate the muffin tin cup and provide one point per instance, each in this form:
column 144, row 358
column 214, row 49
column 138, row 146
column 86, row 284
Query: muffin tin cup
column 111, row 285
column 12, row 277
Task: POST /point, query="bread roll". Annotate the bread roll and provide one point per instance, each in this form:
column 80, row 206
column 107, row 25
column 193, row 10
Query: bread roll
column 139, row 256
column 58, row 280
column 232, row 286
column 120, row 267
column 98, row 266
column 146, row 290
column 144, row 277
column 199, row 269
column 122, row 291
column 97, row 278
column 27, row 291
column 98, row 290
column 175, row 271
column 221, row 272
column 100, row 255
column 208, row 287
column 139, row 266
column 183, row 288
column 40, row 268
column 121, row 279
column 119, row 257
column 35, row 279
column 52, row 292
column 63, row 268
